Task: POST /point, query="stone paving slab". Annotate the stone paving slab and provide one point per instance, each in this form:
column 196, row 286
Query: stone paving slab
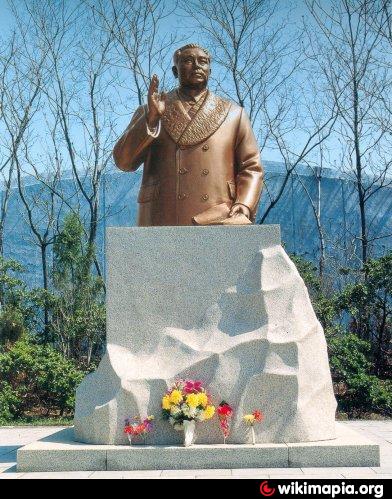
column 125, row 475
column 205, row 472
column 10, row 476
column 74, row 475
column 336, row 470
column 383, row 469
column 260, row 471
column 6, row 466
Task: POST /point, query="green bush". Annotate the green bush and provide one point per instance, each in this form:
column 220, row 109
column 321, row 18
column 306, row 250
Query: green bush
column 76, row 304
column 12, row 324
column 323, row 299
column 357, row 390
column 9, row 403
column 38, row 377
column 357, row 322
column 19, row 306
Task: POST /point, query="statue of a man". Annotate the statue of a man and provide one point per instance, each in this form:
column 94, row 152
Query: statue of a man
column 201, row 159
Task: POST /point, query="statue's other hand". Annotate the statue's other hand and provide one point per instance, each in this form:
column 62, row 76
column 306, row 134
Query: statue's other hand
column 156, row 103
column 238, row 209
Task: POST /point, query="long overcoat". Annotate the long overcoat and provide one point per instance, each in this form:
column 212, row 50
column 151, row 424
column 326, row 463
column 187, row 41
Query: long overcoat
column 194, row 163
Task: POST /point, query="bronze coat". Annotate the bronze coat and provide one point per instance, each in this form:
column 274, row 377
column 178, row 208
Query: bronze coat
column 194, row 163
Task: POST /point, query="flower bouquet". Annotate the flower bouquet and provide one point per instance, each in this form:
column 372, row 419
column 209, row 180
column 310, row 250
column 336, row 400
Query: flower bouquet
column 250, row 419
column 185, row 403
column 225, row 413
column 138, row 427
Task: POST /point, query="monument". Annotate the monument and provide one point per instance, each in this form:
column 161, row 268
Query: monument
column 199, row 292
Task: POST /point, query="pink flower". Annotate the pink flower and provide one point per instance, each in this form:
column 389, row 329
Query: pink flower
column 193, row 386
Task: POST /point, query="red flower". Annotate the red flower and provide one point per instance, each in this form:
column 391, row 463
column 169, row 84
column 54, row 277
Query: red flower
column 259, row 416
column 139, row 429
column 135, row 430
column 225, row 410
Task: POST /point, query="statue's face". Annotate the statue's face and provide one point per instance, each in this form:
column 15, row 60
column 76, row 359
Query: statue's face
column 193, row 68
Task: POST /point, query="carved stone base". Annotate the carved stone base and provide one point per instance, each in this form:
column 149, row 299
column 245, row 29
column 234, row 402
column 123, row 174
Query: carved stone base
column 224, row 305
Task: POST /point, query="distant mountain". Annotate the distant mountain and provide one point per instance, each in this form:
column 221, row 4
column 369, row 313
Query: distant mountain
column 339, row 214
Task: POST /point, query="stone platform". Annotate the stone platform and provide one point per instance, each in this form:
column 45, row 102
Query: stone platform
column 59, row 452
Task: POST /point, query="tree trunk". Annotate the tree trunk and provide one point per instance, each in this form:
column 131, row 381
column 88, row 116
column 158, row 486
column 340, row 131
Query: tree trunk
column 44, row 248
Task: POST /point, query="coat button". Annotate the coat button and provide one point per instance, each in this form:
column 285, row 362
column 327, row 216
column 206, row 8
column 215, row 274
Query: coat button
column 205, row 171
column 182, row 171
column 181, row 196
column 205, row 147
column 205, row 197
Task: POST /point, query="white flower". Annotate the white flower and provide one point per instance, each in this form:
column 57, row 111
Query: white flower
column 193, row 412
column 186, row 410
column 200, row 415
column 174, row 410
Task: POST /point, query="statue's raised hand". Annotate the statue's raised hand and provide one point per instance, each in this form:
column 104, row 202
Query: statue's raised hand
column 156, row 103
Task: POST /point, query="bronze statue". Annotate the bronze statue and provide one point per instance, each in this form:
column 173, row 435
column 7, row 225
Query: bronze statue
column 201, row 159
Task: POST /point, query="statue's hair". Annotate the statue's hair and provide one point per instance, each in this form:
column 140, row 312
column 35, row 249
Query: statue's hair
column 177, row 53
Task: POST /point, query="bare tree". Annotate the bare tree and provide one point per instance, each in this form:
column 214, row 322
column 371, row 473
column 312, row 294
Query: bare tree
column 22, row 74
column 142, row 46
column 84, row 92
column 348, row 54
column 262, row 67
column 19, row 101
column 77, row 94
column 6, row 166
column 317, row 171
column 42, row 215
column 379, row 17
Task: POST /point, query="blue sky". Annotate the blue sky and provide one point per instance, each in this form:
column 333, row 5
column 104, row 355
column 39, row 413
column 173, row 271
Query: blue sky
column 5, row 16
column 180, row 25
column 173, row 24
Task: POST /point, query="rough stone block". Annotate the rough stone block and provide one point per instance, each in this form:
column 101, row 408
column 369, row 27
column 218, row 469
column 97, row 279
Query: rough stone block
column 222, row 304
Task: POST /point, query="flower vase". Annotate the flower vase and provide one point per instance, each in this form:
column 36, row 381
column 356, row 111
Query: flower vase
column 129, row 438
column 189, row 432
column 253, row 436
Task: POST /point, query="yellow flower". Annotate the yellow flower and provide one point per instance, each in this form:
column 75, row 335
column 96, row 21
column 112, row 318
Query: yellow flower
column 192, row 400
column 203, row 399
column 249, row 418
column 166, row 402
column 208, row 412
column 176, row 397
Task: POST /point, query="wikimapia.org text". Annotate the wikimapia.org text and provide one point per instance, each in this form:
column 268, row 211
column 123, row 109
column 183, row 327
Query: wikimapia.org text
column 332, row 490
